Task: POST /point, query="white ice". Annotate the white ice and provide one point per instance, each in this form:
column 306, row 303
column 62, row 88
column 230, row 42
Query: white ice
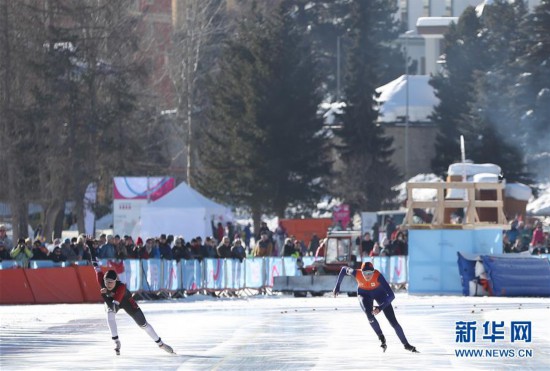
column 276, row 332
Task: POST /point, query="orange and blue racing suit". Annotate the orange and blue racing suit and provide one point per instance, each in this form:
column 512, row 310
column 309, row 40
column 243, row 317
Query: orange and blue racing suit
column 376, row 288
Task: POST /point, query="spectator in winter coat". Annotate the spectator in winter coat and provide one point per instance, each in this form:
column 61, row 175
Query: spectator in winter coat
column 279, row 238
column 313, row 245
column 8, row 243
column 224, row 248
column 197, row 249
column 39, row 251
column 367, row 244
column 131, row 251
column 399, row 245
column 150, row 251
column 208, row 250
column 264, row 247
column 390, row 228
column 94, row 249
column 67, row 251
column 21, row 253
column 4, row 253
column 108, row 251
column 136, row 249
column 538, row 236
column 230, row 231
column 237, row 250
column 164, row 248
column 82, row 248
column 288, row 248
column 247, row 231
column 56, row 256
column 264, row 229
column 220, row 231
column 180, row 250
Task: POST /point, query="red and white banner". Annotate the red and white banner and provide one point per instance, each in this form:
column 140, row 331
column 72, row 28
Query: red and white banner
column 130, row 194
column 142, row 188
column 341, row 213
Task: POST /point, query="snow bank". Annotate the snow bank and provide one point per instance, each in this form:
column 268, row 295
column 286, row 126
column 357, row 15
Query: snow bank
column 541, row 205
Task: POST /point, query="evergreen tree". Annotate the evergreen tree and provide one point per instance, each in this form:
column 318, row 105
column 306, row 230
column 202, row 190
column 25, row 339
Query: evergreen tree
column 325, row 23
column 475, row 90
column 264, row 145
column 455, row 87
column 367, row 175
column 531, row 96
column 487, row 127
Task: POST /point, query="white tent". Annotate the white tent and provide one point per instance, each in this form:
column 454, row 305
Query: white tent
column 182, row 212
column 393, row 99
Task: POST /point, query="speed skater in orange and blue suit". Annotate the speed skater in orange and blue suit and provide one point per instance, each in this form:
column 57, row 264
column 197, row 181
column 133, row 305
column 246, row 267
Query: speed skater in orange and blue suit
column 371, row 286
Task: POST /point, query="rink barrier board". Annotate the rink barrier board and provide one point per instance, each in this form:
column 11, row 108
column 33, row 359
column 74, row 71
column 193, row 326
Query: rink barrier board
column 88, row 284
column 14, row 287
column 55, row 285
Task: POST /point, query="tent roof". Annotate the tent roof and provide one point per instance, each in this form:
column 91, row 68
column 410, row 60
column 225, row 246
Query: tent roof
column 185, row 196
column 393, row 99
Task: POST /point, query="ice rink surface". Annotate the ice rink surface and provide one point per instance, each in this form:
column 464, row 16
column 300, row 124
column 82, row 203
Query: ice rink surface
column 276, row 332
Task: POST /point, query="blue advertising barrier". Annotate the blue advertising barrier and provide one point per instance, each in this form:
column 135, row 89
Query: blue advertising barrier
column 134, row 278
column 171, row 275
column 234, row 271
column 191, row 271
column 214, row 274
column 255, row 273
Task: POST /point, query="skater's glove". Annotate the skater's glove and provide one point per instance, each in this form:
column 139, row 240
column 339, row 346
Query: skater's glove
column 95, row 264
column 114, row 306
column 376, row 310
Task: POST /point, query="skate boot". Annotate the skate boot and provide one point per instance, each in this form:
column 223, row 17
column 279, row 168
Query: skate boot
column 383, row 341
column 117, row 346
column 165, row 347
column 410, row 348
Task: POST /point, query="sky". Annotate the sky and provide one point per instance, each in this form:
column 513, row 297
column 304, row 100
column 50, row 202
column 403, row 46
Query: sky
column 277, row 332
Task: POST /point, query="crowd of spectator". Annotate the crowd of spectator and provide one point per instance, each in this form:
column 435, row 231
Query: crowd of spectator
column 231, row 243
column 394, row 241
column 226, row 242
column 527, row 238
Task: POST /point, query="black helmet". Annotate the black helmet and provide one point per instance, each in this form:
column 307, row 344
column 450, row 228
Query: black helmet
column 111, row 275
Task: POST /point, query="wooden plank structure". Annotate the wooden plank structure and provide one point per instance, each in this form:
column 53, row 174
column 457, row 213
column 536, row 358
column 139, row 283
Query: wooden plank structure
column 471, row 204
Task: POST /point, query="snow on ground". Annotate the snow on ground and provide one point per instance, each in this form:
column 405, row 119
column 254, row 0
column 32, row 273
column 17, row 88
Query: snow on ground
column 276, row 332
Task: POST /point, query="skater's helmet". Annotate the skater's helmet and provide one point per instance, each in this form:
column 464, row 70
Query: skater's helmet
column 111, row 275
column 367, row 266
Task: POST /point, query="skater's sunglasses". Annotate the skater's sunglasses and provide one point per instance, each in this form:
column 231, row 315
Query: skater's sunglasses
column 109, row 281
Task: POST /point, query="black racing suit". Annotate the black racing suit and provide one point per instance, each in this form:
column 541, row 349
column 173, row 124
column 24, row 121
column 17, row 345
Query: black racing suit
column 124, row 297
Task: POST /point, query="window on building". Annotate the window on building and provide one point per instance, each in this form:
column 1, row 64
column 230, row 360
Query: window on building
column 404, row 11
column 426, row 8
column 449, row 8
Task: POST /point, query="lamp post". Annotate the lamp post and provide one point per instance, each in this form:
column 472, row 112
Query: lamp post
column 407, row 34
column 338, row 68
